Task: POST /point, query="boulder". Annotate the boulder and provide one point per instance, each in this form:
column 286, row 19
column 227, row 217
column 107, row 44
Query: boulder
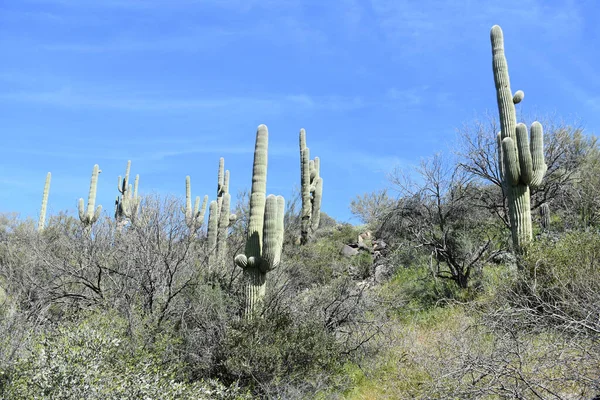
column 348, row 251
column 383, row 272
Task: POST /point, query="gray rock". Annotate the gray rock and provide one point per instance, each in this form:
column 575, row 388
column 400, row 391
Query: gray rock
column 383, row 272
column 348, row 251
column 504, row 257
column 379, row 244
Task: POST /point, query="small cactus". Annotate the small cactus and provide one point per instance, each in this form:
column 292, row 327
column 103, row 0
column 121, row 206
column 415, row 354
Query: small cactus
column 89, row 216
column 42, row 220
column 545, row 216
column 521, row 163
column 311, row 191
column 265, row 230
column 194, row 217
column 127, row 205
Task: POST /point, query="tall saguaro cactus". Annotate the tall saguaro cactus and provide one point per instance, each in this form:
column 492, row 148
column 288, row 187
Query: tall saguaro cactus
column 220, row 218
column 521, row 163
column 42, row 220
column 89, row 216
column 265, row 230
column 194, row 217
column 127, row 206
column 311, row 185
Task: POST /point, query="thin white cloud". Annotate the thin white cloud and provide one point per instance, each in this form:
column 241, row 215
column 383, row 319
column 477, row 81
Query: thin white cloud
column 281, row 30
column 377, row 163
column 371, row 162
column 182, row 43
column 410, row 25
column 141, row 5
column 414, row 25
column 420, row 97
column 67, row 97
column 278, row 21
column 147, row 154
column 411, row 96
column 571, row 84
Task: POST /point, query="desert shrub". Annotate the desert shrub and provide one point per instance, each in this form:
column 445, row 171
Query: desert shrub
column 559, row 286
column 371, row 208
column 298, row 346
column 94, row 358
column 135, row 311
column 420, row 291
column 278, row 354
column 320, row 261
column 362, row 265
column 312, row 264
column 203, row 326
column 535, row 332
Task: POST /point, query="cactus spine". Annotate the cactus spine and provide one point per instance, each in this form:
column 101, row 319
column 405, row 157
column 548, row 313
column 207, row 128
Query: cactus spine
column 521, row 164
column 194, row 217
column 311, row 185
column 89, row 216
column 42, row 220
column 265, row 230
column 220, row 218
column 127, row 206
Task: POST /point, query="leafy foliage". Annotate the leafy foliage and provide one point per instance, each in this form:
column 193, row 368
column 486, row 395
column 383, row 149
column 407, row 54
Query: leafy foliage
column 93, row 358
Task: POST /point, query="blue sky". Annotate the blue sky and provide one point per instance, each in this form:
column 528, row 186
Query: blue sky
column 173, row 85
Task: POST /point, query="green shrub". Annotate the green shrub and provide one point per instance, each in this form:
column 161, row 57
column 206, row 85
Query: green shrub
column 94, row 358
column 559, row 285
column 571, row 258
column 279, row 354
column 421, row 291
column 362, row 264
column 320, row 261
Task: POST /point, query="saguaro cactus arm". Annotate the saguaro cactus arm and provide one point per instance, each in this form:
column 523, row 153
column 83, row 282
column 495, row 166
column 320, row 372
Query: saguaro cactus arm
column 272, row 232
column 126, row 206
column 316, row 209
column 42, row 219
column 88, row 216
column 220, row 218
column 221, row 178
column 194, row 216
column 123, row 184
column 311, row 190
column 537, row 155
column 511, row 162
column 213, row 226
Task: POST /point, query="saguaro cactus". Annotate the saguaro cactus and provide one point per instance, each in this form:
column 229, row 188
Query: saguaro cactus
column 545, row 216
column 311, row 185
column 127, row 206
column 42, row 220
column 89, row 216
column 220, row 218
column 265, row 230
column 521, row 163
column 194, row 217
column 213, row 228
